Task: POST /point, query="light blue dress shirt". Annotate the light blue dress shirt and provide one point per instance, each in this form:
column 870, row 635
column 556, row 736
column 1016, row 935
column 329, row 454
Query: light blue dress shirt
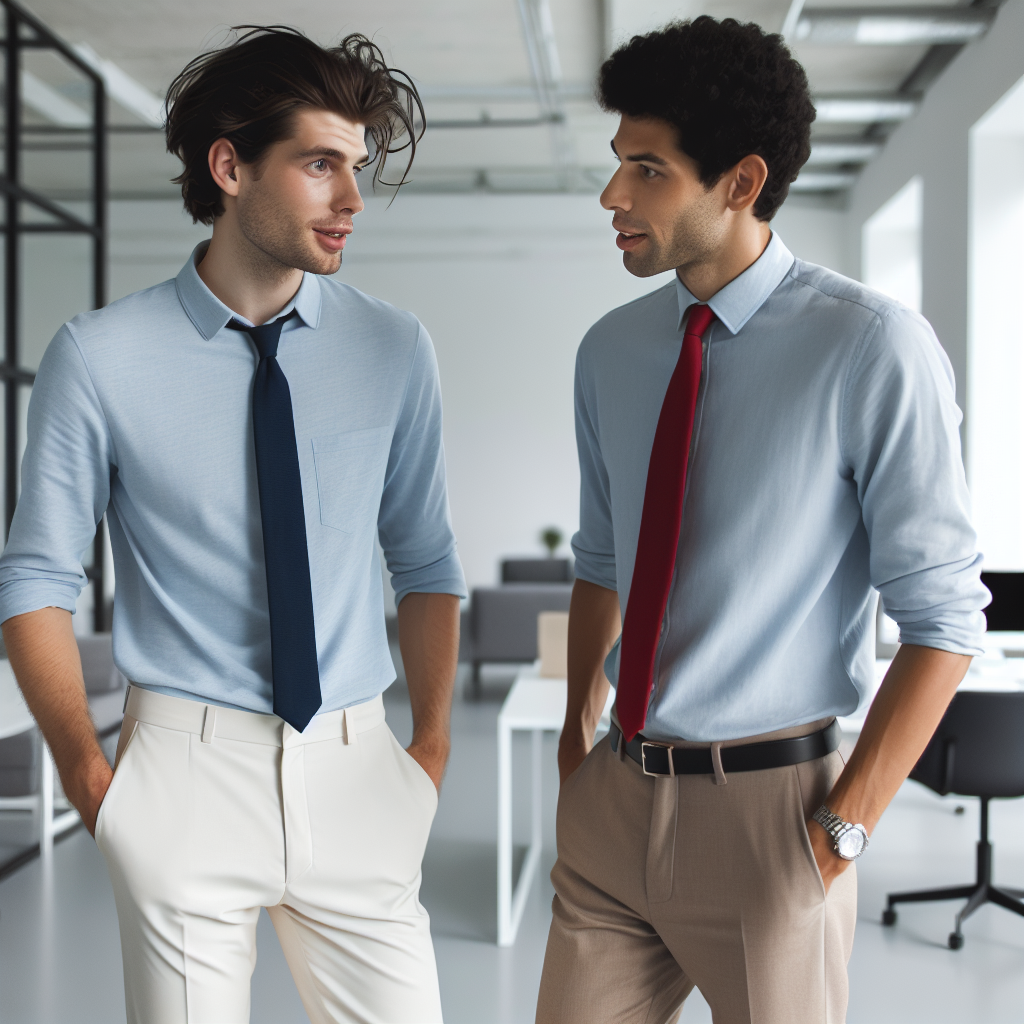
column 825, row 461
column 143, row 410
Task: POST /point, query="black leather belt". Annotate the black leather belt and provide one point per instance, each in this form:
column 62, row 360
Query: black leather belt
column 653, row 757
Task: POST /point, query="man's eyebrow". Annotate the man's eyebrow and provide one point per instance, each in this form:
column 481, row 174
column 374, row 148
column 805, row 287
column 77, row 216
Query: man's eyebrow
column 647, row 158
column 334, row 154
column 642, row 158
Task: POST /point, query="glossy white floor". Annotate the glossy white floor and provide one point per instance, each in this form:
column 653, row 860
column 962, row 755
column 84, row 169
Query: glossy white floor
column 60, row 960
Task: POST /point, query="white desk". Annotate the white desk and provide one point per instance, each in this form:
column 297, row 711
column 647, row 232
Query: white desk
column 536, row 706
column 992, row 672
column 15, row 718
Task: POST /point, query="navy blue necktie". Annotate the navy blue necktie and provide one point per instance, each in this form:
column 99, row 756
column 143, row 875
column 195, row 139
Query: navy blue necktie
column 297, row 695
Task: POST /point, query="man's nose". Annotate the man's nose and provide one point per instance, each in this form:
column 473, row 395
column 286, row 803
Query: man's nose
column 348, row 198
column 614, row 196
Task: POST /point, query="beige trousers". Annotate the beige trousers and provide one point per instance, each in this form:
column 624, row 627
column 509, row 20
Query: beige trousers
column 662, row 884
column 214, row 813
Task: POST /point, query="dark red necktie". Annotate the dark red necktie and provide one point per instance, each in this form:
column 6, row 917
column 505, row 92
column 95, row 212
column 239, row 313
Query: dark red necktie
column 659, row 530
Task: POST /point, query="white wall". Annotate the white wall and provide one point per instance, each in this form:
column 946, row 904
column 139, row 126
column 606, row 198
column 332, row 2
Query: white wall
column 507, row 286
column 996, row 332
column 891, row 247
column 815, row 230
column 934, row 144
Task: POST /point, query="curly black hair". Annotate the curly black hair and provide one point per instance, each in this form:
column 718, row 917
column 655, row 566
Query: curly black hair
column 730, row 90
column 249, row 91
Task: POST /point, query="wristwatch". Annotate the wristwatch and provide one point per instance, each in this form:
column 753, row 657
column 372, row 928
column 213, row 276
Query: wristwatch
column 849, row 841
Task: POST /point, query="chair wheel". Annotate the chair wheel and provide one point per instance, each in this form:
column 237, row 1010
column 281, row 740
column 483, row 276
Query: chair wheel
column 888, row 917
column 956, row 940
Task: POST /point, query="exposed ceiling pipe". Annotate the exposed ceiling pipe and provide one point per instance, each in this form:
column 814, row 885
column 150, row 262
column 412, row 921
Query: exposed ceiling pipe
column 796, row 8
column 542, row 51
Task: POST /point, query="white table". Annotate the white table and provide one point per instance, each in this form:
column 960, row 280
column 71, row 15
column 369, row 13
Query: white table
column 991, row 672
column 533, row 705
column 15, row 718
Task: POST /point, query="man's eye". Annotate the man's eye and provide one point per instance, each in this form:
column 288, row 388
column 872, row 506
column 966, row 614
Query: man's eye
column 319, row 165
column 648, row 172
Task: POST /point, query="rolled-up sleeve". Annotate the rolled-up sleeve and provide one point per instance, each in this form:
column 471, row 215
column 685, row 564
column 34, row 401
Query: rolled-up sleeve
column 594, row 543
column 65, row 486
column 414, row 524
column 902, row 445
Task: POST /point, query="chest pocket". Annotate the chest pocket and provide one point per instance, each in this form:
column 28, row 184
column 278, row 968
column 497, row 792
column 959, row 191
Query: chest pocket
column 350, row 471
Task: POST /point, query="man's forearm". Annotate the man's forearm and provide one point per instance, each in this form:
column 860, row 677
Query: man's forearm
column 44, row 655
column 594, row 624
column 910, row 704
column 428, row 635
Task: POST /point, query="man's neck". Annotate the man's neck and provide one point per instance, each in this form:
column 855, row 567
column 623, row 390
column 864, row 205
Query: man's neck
column 243, row 277
column 742, row 249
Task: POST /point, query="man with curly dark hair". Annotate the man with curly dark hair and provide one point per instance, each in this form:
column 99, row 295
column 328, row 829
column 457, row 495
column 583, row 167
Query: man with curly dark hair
column 761, row 443
column 250, row 430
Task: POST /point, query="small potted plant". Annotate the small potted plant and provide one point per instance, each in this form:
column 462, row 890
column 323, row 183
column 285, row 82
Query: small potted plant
column 551, row 537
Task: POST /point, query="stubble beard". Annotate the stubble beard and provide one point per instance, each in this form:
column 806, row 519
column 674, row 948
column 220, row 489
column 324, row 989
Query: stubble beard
column 279, row 242
column 692, row 239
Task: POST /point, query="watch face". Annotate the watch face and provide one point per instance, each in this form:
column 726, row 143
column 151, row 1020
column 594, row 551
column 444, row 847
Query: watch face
column 850, row 844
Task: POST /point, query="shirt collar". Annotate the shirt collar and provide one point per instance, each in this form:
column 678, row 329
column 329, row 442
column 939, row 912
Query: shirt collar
column 209, row 314
column 743, row 296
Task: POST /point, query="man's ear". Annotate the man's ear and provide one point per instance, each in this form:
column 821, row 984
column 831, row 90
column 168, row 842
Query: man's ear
column 746, row 180
column 223, row 161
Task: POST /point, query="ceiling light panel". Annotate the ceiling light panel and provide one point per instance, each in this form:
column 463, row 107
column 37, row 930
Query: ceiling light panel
column 818, row 181
column 843, row 152
column 862, row 110
column 50, row 104
column 895, row 26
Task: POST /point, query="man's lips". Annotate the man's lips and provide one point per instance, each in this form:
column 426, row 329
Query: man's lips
column 334, row 240
column 628, row 240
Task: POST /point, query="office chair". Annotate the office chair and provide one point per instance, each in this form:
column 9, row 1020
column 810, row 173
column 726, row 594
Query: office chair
column 977, row 750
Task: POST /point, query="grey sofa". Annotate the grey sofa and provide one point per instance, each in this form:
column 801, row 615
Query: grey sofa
column 503, row 622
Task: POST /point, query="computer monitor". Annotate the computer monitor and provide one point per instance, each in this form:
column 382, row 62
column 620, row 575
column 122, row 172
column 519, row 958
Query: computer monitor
column 1006, row 612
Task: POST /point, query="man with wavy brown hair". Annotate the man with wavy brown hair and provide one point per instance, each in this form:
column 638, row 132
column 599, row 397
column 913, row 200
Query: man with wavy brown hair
column 250, row 430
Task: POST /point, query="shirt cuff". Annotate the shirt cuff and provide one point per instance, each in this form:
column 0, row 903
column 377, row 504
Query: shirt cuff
column 441, row 577
column 18, row 597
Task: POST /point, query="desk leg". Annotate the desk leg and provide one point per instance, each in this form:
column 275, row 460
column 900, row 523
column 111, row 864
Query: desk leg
column 532, row 861
column 506, row 933
column 45, row 800
column 512, row 898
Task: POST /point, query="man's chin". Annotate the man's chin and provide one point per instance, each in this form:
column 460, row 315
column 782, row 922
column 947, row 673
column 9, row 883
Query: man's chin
column 321, row 263
column 640, row 266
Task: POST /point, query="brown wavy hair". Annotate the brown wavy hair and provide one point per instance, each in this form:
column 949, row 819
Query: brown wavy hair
column 249, row 91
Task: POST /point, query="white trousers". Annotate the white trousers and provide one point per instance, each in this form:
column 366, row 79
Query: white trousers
column 214, row 813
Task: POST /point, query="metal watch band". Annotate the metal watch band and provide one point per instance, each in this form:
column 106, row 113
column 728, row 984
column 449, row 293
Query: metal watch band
column 837, row 827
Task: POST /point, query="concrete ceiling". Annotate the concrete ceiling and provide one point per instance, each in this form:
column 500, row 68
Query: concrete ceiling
column 471, row 60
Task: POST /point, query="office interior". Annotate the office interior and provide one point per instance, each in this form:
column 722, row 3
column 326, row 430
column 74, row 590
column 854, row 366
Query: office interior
column 498, row 244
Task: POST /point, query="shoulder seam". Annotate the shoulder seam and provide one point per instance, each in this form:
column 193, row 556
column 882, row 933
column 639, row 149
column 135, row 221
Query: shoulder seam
column 839, row 298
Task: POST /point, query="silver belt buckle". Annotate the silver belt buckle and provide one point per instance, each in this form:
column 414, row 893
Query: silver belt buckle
column 643, row 759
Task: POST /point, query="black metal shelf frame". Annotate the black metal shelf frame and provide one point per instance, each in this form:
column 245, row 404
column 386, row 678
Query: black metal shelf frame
column 23, row 31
